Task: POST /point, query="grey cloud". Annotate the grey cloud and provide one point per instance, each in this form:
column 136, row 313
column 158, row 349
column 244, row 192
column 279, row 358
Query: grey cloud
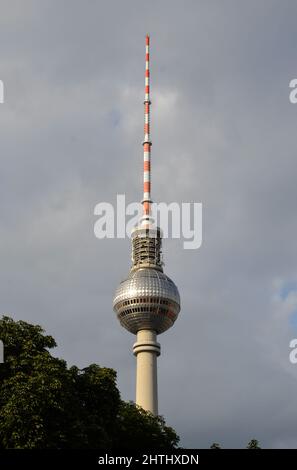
column 223, row 134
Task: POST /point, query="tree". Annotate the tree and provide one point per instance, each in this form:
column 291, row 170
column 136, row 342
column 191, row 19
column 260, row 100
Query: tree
column 45, row 404
column 253, row 444
column 138, row 427
column 215, row 445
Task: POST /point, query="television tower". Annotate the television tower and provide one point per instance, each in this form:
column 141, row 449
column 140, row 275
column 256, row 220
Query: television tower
column 147, row 302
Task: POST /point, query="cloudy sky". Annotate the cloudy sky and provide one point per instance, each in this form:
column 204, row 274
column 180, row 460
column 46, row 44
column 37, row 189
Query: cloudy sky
column 224, row 134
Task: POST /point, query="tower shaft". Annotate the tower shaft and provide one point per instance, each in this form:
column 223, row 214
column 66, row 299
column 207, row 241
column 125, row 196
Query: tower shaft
column 146, row 349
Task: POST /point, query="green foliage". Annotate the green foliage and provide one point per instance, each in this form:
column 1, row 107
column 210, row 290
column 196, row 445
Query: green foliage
column 44, row 404
column 138, row 427
column 215, row 445
column 253, row 444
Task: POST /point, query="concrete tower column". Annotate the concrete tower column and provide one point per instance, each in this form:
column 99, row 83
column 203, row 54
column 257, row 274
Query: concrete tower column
column 146, row 349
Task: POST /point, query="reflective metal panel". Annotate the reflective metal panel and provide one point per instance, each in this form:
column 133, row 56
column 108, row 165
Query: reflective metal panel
column 147, row 299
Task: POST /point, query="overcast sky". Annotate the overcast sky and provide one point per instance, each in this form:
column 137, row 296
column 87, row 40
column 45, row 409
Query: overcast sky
column 224, row 134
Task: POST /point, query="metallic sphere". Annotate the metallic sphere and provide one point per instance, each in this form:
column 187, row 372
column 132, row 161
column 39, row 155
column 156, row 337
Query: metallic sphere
column 147, row 299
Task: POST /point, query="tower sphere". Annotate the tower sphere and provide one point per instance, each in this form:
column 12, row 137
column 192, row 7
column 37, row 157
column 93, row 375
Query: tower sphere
column 147, row 299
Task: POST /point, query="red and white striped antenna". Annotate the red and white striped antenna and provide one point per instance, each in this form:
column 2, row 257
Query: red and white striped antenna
column 147, row 141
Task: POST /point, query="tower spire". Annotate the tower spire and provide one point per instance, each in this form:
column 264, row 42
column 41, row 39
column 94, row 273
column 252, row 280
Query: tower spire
column 147, row 141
